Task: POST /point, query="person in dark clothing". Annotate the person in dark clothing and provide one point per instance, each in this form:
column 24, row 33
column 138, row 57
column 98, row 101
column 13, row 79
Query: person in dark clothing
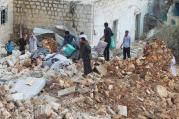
column 22, row 44
column 85, row 54
column 68, row 39
column 107, row 38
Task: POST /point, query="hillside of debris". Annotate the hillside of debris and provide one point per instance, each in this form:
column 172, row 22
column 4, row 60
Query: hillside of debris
column 139, row 88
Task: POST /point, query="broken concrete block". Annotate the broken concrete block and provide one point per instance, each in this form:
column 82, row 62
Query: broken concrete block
column 69, row 116
column 1, row 105
column 52, row 101
column 110, row 111
column 102, row 69
column 2, row 60
column 67, row 91
column 18, row 96
column 122, row 110
column 43, row 110
column 162, row 91
column 73, row 100
column 131, row 68
column 102, row 111
column 28, row 91
column 89, row 101
column 12, row 60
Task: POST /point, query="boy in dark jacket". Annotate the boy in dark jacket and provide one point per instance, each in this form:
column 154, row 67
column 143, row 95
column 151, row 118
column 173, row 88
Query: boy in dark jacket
column 85, row 53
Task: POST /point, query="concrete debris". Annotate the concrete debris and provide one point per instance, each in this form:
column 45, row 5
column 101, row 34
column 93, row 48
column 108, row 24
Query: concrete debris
column 27, row 88
column 122, row 110
column 142, row 87
column 162, row 91
column 67, row 91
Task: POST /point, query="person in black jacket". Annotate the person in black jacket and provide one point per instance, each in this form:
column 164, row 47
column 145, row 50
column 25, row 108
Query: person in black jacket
column 68, row 39
column 107, row 38
column 22, row 44
column 85, row 54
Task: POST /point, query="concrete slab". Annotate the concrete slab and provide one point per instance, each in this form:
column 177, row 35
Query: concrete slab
column 28, row 91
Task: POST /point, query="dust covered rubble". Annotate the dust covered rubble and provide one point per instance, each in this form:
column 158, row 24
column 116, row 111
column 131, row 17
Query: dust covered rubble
column 139, row 88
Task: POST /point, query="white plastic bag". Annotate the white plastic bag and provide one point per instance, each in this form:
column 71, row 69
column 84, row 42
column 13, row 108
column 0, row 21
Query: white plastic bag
column 101, row 47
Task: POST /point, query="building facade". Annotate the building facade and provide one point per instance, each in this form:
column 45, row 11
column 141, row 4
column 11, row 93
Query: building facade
column 173, row 14
column 121, row 15
column 6, row 20
column 49, row 13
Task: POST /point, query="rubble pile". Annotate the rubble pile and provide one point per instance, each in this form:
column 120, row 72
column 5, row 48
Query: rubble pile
column 141, row 88
column 50, row 44
column 14, row 109
column 156, row 63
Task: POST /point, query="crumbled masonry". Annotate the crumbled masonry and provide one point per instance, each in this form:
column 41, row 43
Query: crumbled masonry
column 140, row 88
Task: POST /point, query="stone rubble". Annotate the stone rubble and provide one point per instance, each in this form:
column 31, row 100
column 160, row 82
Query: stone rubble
column 141, row 88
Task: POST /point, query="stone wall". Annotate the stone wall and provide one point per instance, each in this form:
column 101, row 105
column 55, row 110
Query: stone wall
column 7, row 28
column 48, row 13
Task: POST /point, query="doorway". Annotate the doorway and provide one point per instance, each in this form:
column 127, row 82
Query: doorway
column 137, row 25
column 115, row 29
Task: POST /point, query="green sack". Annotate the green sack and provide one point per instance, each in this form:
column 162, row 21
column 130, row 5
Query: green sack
column 68, row 50
column 113, row 44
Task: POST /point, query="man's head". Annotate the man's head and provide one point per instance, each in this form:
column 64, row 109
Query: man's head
column 67, row 32
column 105, row 24
column 126, row 33
column 9, row 41
column 83, row 40
column 82, row 33
column 32, row 34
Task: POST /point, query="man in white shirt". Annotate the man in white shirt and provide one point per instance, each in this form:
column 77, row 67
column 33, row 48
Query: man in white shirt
column 126, row 45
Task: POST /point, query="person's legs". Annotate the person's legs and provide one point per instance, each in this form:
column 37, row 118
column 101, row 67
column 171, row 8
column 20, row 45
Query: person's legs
column 107, row 52
column 87, row 66
column 128, row 53
column 9, row 53
column 22, row 52
column 124, row 53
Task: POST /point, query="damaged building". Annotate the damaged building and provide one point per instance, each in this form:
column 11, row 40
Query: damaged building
column 122, row 15
column 6, row 19
column 46, row 83
column 88, row 16
column 49, row 13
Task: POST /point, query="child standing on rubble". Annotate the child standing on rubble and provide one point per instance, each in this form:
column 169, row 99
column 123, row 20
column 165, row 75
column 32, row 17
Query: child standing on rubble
column 9, row 48
column 85, row 53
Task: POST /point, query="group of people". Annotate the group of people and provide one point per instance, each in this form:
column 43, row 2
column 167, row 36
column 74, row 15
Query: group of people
column 81, row 45
column 86, row 49
column 22, row 44
column 126, row 44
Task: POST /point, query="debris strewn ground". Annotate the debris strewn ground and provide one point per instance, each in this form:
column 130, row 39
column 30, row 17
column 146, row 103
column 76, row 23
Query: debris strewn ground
column 140, row 88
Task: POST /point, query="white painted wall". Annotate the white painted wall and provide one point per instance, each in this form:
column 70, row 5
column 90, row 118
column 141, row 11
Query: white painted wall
column 122, row 10
column 6, row 29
